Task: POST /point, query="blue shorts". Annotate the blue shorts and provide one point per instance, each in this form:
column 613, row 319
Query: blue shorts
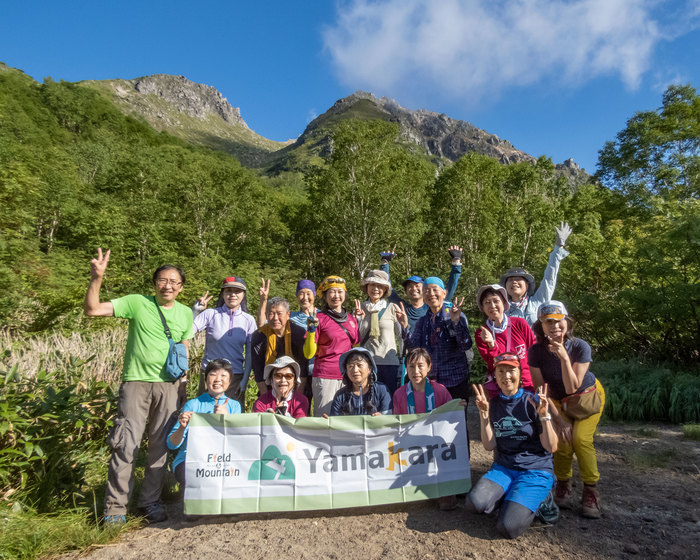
column 527, row 488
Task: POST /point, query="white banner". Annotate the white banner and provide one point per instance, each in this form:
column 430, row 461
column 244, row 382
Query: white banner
column 266, row 462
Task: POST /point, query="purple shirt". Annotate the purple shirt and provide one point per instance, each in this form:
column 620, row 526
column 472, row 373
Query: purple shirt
column 228, row 333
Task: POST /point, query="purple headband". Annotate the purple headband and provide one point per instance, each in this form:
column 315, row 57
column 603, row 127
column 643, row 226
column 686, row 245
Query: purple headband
column 306, row 284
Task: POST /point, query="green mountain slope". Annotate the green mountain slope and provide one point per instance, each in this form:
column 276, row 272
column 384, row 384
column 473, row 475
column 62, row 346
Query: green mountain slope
column 197, row 113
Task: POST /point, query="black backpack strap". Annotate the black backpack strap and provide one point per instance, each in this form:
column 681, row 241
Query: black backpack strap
column 165, row 325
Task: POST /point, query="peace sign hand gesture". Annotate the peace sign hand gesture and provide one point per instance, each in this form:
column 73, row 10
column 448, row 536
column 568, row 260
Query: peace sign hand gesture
column 557, row 348
column 99, row 265
column 455, row 310
column 204, row 300
column 359, row 312
column 401, row 316
column 482, row 401
column 542, row 408
column 264, row 289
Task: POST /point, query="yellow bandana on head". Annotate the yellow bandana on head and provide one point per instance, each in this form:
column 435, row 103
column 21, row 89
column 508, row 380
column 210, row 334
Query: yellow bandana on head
column 331, row 282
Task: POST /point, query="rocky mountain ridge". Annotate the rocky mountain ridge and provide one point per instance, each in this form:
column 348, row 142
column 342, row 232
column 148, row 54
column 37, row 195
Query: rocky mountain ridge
column 200, row 114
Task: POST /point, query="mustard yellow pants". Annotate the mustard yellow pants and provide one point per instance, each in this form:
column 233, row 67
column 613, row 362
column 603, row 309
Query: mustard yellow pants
column 582, row 446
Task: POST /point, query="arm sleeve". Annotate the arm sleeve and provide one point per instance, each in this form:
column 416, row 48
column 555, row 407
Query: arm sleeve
column 385, row 402
column 259, row 406
column 487, row 354
column 393, row 296
column 336, row 405
column 187, row 408
column 452, row 281
column 549, row 281
column 124, row 306
column 310, row 346
column 398, row 405
column 202, row 319
column 258, row 346
column 247, row 365
column 461, row 333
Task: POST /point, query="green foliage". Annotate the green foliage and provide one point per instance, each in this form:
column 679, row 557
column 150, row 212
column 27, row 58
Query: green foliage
column 645, row 393
column 658, row 152
column 691, row 431
column 53, row 430
column 25, row 535
column 372, row 196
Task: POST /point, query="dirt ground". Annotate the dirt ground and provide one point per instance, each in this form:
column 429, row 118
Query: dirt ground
column 650, row 491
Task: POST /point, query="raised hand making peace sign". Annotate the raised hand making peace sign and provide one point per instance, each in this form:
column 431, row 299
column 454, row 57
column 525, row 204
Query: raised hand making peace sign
column 456, row 309
column 99, row 265
column 482, row 401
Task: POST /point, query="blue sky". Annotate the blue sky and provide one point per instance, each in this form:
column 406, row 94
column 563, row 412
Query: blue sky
column 555, row 77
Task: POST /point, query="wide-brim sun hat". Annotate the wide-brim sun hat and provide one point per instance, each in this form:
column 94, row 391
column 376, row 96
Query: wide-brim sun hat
column 377, row 277
column 279, row 363
column 343, row 360
column 496, row 288
column 520, row 271
column 553, row 309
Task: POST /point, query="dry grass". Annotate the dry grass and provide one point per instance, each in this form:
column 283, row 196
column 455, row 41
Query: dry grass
column 56, row 352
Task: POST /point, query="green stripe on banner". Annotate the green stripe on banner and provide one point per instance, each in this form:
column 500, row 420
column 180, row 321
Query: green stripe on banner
column 343, row 423
column 326, row 501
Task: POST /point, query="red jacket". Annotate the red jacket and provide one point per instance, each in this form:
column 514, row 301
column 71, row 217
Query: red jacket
column 517, row 338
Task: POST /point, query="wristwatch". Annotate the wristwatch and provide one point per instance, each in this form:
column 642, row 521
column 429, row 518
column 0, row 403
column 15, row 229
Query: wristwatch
column 545, row 418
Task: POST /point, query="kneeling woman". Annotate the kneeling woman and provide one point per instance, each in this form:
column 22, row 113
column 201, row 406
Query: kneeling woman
column 518, row 426
column 217, row 378
column 361, row 393
column 282, row 376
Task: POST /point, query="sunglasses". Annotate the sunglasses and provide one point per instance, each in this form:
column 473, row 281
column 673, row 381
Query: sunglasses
column 506, row 358
column 281, row 376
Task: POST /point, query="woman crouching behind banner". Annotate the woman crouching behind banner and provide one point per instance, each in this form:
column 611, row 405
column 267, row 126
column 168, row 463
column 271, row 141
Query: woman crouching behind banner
column 517, row 424
column 282, row 376
column 361, row 394
column 421, row 395
column 217, row 378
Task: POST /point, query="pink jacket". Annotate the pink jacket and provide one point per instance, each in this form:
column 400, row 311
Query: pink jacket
column 298, row 404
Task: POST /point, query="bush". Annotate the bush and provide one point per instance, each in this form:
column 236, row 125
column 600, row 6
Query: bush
column 53, row 430
column 641, row 392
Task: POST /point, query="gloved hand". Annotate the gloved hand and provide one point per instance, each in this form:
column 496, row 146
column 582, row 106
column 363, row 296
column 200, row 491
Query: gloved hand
column 312, row 323
column 455, row 253
column 563, row 233
column 387, row 256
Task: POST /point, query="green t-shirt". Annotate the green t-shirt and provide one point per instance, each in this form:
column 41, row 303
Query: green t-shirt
column 147, row 346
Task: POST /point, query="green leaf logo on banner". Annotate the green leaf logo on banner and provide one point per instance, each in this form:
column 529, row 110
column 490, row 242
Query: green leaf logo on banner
column 272, row 466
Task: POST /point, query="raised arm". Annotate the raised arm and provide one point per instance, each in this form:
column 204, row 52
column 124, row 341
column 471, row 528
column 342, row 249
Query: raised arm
column 455, row 272
column 488, row 439
column 387, row 256
column 545, row 292
column 310, row 346
column 548, row 437
column 92, row 306
column 264, row 292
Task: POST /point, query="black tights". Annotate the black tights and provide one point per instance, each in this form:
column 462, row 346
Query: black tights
column 513, row 518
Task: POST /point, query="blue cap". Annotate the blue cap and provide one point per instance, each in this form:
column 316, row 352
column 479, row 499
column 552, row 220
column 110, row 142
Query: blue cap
column 416, row 279
column 434, row 280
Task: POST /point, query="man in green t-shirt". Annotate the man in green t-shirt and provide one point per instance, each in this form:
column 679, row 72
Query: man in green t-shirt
column 147, row 395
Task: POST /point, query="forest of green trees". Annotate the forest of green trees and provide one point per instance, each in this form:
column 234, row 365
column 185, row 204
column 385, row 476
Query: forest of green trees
column 75, row 174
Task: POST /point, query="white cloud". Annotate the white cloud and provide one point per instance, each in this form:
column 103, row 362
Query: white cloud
column 478, row 48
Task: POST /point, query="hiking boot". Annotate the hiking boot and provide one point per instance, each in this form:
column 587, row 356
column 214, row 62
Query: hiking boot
column 155, row 512
column 563, row 492
column 114, row 520
column 590, row 502
column 447, row 503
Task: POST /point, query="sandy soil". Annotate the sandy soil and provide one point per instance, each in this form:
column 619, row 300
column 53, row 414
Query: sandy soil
column 650, row 491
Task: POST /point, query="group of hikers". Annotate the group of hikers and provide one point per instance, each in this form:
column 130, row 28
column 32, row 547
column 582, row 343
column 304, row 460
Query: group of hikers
column 540, row 403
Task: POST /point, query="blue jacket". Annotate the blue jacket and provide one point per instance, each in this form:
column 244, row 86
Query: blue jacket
column 203, row 404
